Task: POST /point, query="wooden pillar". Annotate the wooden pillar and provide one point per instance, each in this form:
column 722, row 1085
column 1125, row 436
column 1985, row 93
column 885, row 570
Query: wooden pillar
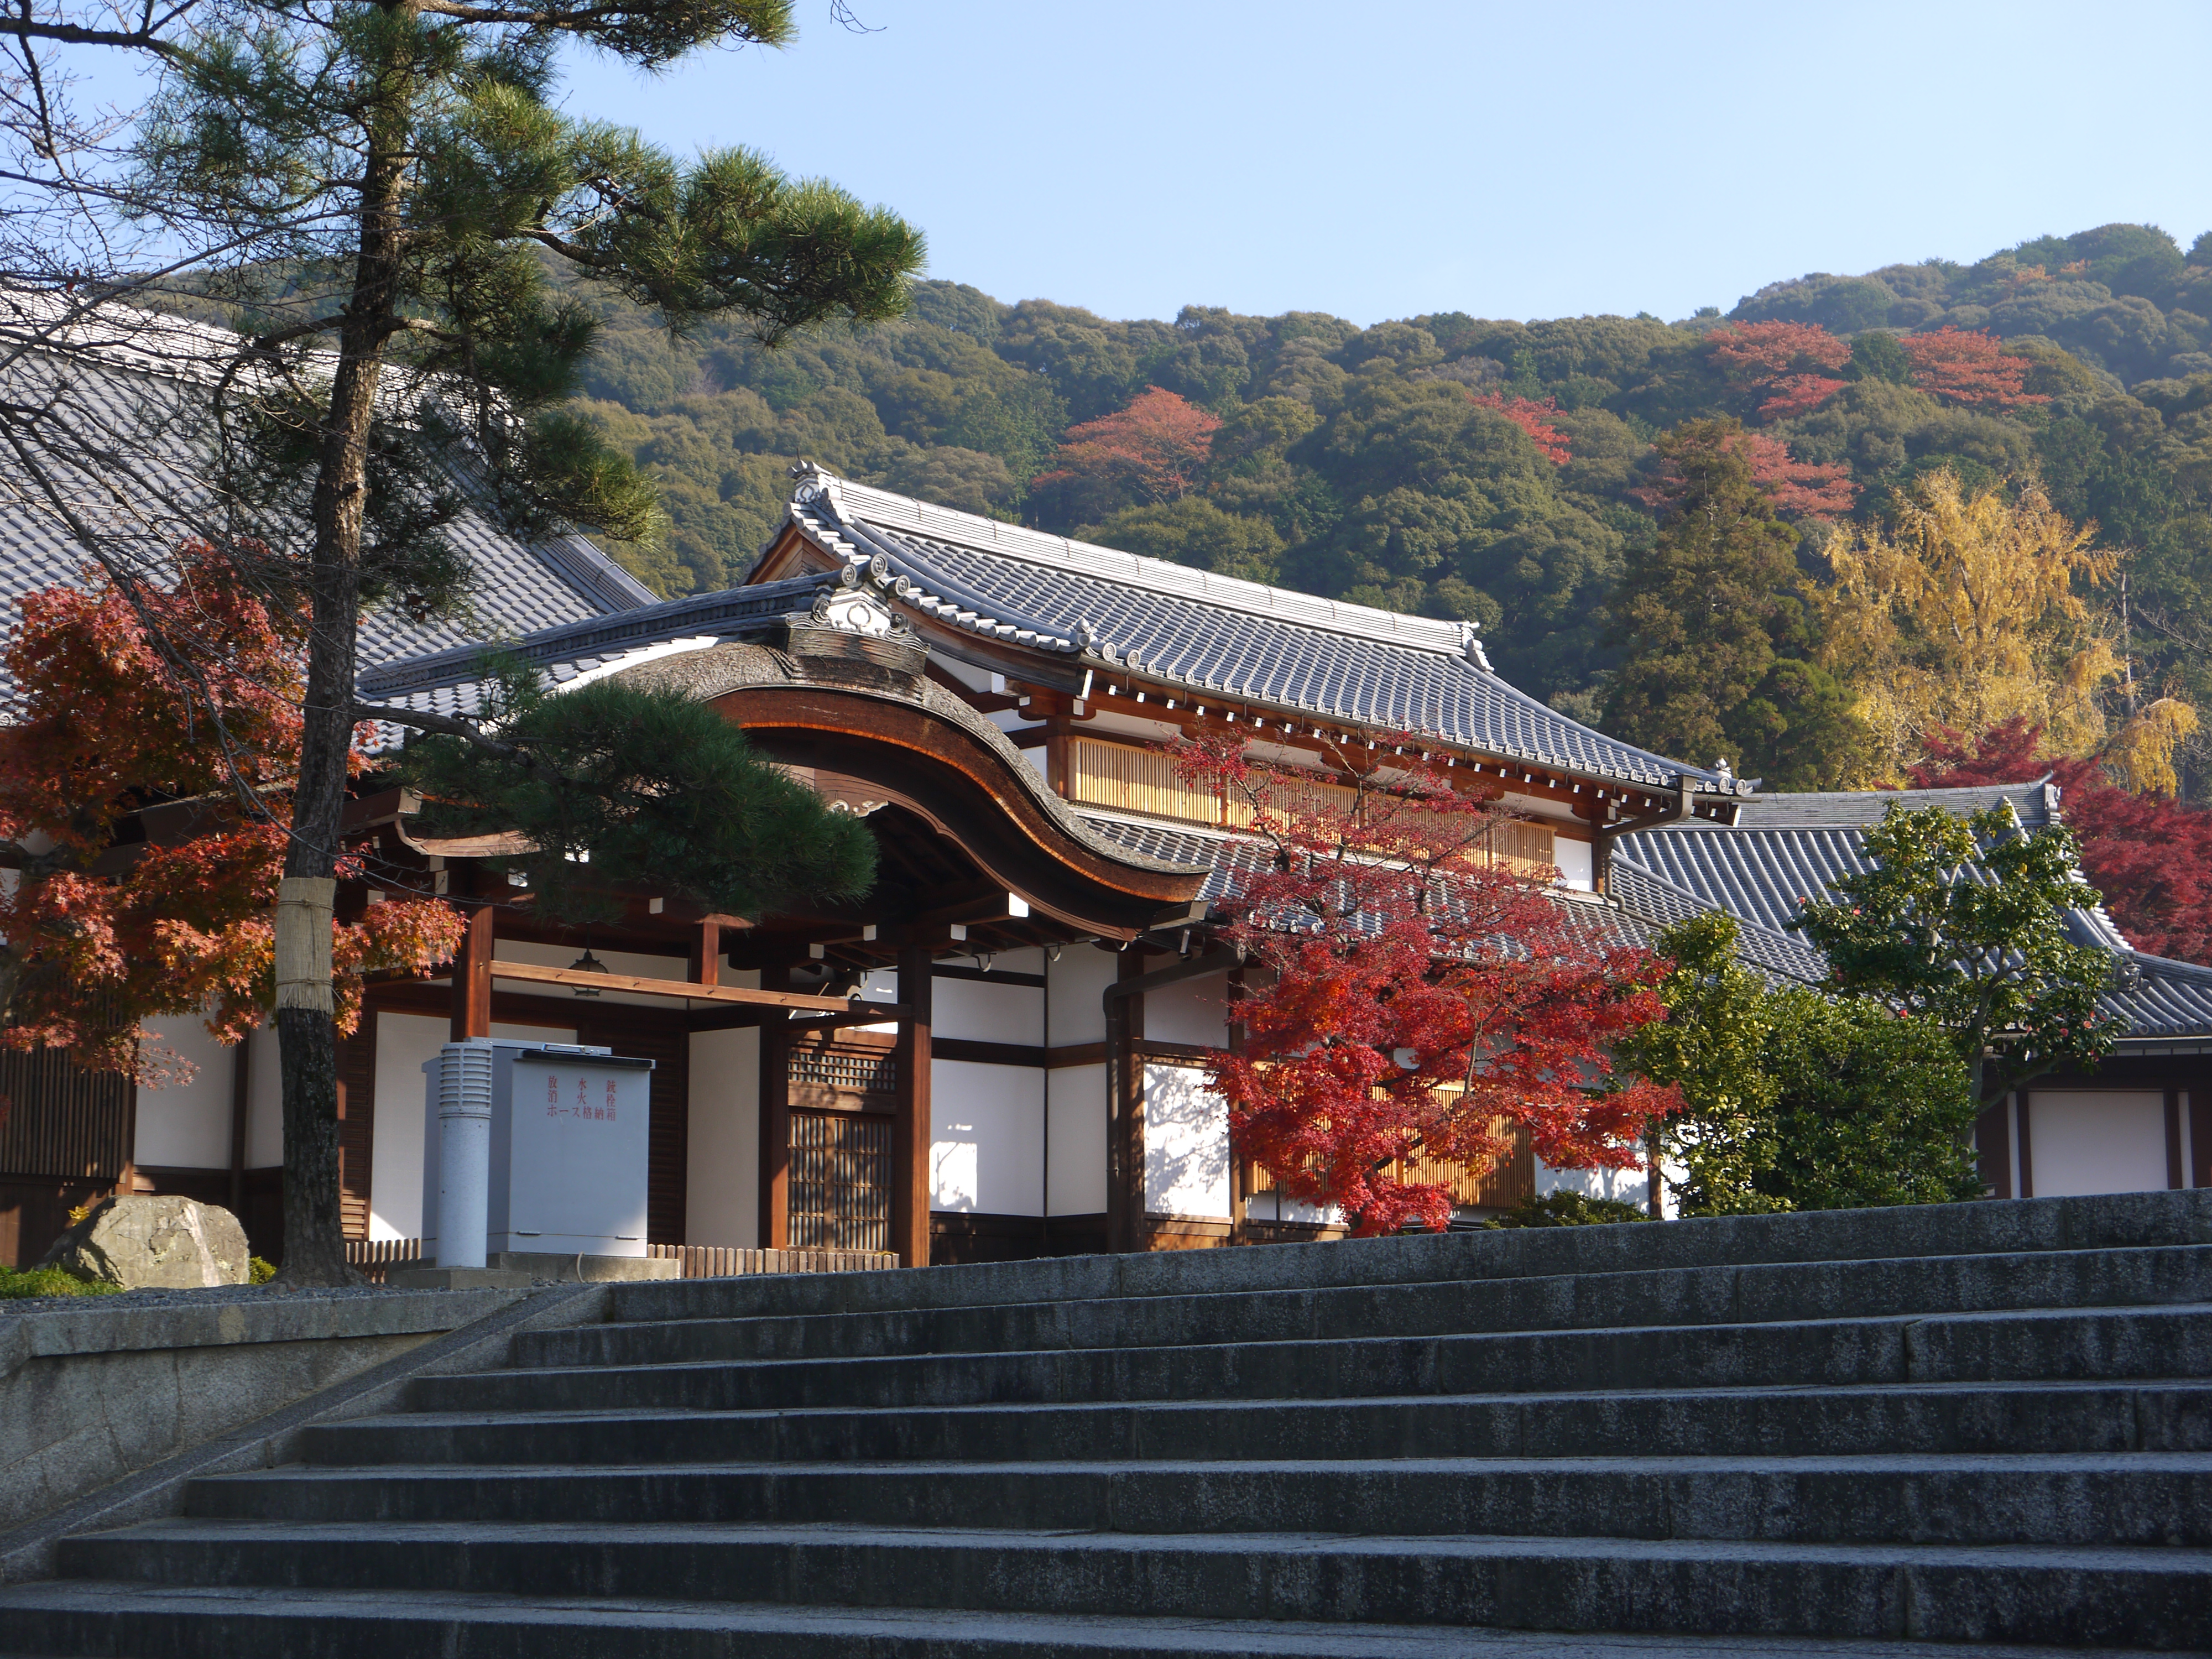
column 706, row 954
column 912, row 1128
column 472, row 978
column 1125, row 1109
column 775, row 1118
column 242, row 1099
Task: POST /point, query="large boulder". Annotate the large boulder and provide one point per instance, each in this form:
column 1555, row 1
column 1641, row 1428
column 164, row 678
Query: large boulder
column 153, row 1240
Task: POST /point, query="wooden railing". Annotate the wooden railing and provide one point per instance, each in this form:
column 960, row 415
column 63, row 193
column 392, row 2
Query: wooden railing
column 373, row 1255
column 720, row 1261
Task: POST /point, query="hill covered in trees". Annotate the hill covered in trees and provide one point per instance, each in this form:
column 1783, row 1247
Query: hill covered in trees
column 1523, row 475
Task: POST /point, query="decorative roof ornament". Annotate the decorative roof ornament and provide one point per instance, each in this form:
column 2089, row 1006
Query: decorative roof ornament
column 1721, row 765
column 1470, row 647
column 854, row 609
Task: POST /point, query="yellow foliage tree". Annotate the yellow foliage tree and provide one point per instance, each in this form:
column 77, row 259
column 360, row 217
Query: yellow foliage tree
column 1966, row 614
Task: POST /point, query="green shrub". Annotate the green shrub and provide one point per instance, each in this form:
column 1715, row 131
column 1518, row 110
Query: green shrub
column 258, row 1272
column 17, row 1283
column 1565, row 1207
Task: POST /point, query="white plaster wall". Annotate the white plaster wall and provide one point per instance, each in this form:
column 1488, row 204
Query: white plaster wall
column 404, row 1043
column 723, row 1181
column 1075, row 1180
column 1193, row 1010
column 1074, row 987
column 1186, row 1142
column 984, row 1013
column 186, row 1124
column 1274, row 1207
column 1623, row 1185
column 1576, row 868
column 987, row 1152
column 2100, row 1140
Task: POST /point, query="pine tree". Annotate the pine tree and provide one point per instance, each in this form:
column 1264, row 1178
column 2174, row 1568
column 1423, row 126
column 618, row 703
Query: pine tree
column 1714, row 634
column 393, row 200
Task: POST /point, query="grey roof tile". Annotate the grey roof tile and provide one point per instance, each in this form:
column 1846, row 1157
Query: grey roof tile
column 139, row 392
column 1327, row 658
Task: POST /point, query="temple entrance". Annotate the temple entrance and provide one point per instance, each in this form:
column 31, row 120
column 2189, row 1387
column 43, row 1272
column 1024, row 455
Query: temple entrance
column 843, row 1092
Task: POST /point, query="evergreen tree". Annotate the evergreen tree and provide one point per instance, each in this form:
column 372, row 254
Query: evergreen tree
column 391, row 195
column 1716, row 636
column 1798, row 1101
column 1981, row 955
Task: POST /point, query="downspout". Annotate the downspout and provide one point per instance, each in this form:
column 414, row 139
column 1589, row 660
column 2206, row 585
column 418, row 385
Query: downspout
column 1118, row 1106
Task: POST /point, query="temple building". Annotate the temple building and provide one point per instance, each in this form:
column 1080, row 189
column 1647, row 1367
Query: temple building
column 998, row 1052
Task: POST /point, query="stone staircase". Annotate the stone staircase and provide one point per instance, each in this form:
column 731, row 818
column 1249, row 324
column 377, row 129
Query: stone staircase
column 1852, row 1432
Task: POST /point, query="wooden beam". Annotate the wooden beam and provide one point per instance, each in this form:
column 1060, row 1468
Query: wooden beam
column 472, row 976
column 706, row 952
column 668, row 987
column 775, row 1121
column 914, row 1123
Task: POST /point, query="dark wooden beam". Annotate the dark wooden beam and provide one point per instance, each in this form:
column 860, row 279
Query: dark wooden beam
column 472, row 1014
column 912, row 1127
column 775, row 1122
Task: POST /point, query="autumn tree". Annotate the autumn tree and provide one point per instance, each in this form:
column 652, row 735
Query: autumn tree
column 1533, row 416
column 175, row 711
column 391, row 204
column 1790, row 367
column 1716, row 631
column 1152, row 451
column 1407, row 993
column 1960, row 923
column 1970, row 367
column 2150, row 858
column 1967, row 612
column 1818, row 492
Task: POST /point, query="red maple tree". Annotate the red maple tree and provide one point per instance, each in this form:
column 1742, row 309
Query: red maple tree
column 1784, row 361
column 1533, row 416
column 152, row 738
column 2150, row 857
column 1408, row 994
column 1819, row 490
column 1969, row 367
column 1157, row 448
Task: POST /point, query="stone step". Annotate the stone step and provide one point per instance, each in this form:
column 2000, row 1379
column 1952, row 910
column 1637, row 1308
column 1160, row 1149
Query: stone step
column 2109, row 1221
column 2071, row 1595
column 2058, row 1345
column 1972, row 1417
column 2151, row 1498
column 1766, row 1293
column 80, row 1618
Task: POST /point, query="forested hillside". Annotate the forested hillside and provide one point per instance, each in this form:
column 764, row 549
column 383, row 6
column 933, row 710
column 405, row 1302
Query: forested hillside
column 1506, row 473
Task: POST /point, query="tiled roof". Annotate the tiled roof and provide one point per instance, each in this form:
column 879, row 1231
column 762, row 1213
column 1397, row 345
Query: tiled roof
column 1792, row 847
column 2034, row 803
column 138, row 391
column 1266, row 645
column 1780, row 956
column 448, row 682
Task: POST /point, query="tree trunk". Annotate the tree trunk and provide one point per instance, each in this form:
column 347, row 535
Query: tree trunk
column 314, row 1237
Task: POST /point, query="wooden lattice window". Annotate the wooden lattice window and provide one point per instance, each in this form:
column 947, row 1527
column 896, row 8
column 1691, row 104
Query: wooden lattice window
column 841, row 1180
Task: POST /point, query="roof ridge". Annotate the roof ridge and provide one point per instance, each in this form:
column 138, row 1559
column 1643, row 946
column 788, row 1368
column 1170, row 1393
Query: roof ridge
column 1158, row 575
column 618, row 628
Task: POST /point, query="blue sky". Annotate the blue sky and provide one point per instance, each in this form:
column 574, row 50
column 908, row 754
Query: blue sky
column 1507, row 161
